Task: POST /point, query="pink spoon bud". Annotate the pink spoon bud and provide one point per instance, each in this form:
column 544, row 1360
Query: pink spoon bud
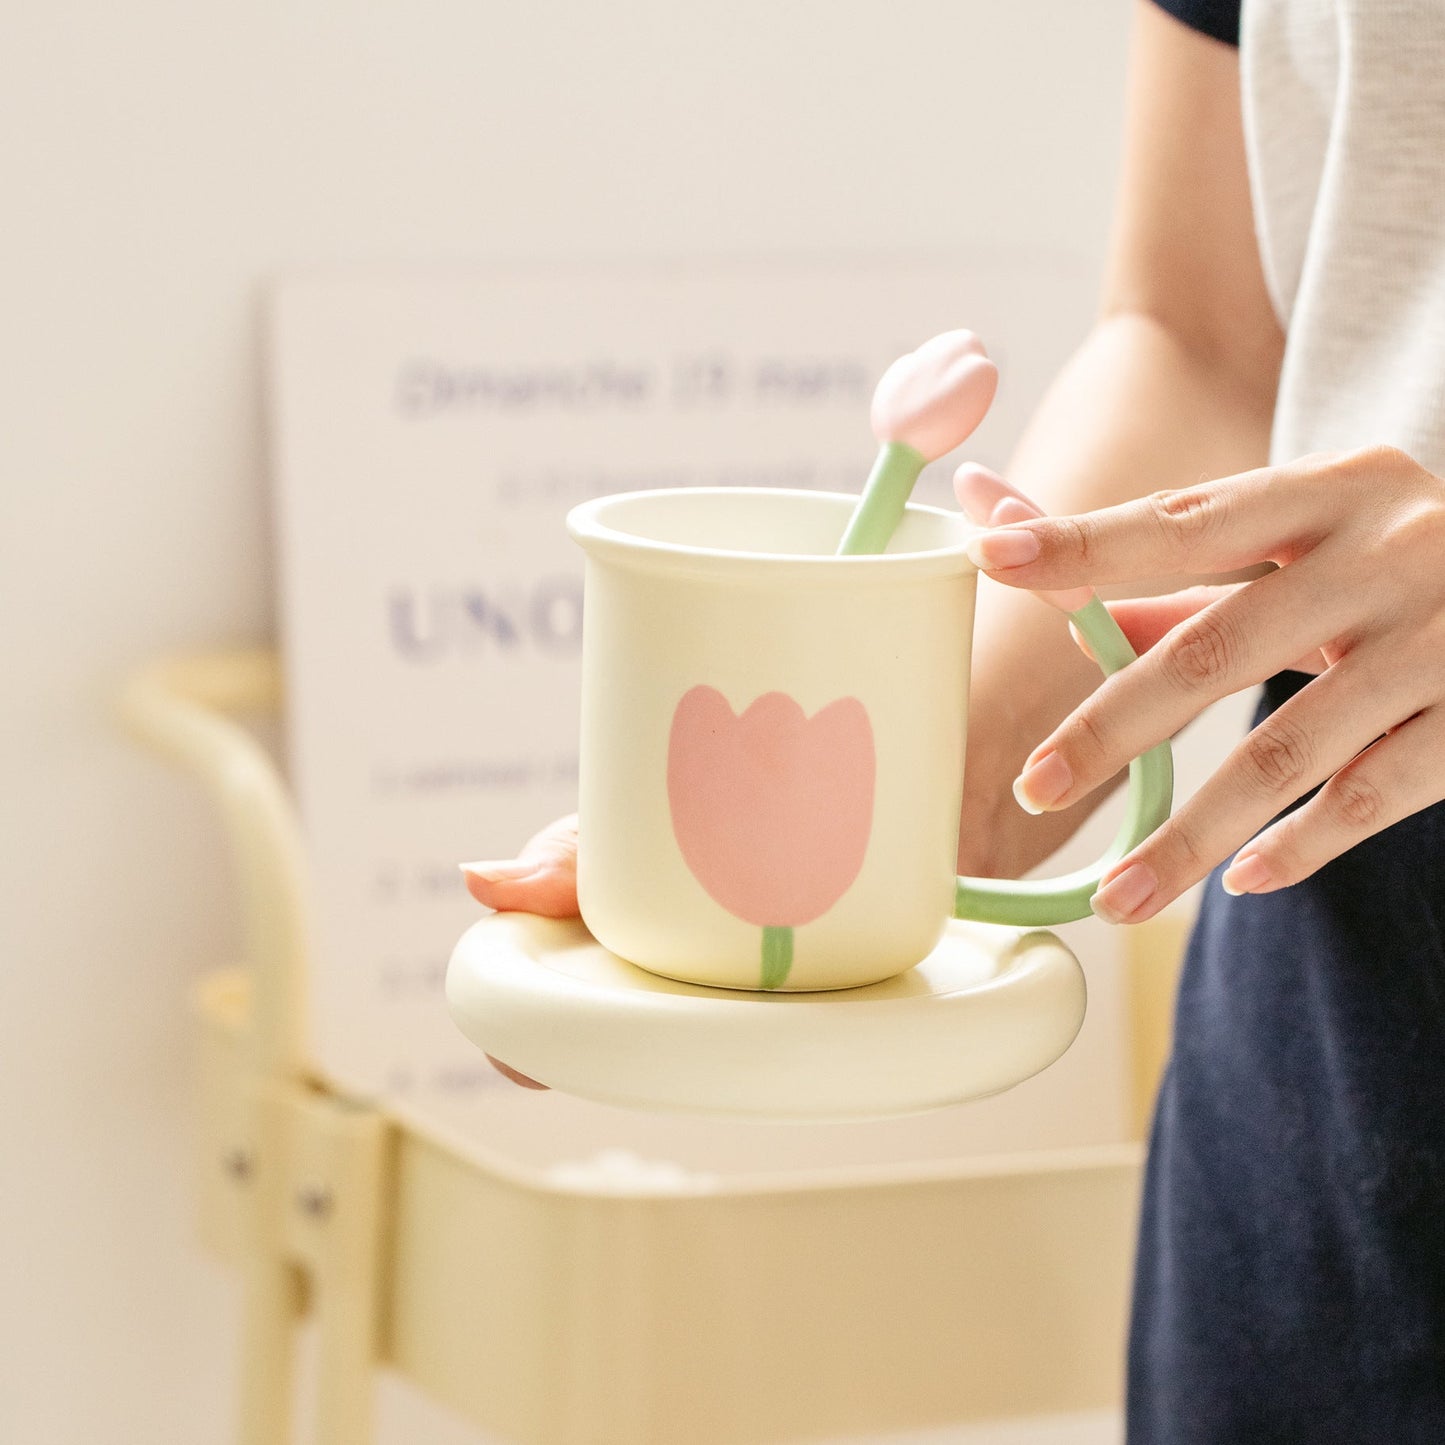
column 933, row 398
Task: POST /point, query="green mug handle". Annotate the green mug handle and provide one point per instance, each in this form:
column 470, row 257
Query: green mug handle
column 1040, row 903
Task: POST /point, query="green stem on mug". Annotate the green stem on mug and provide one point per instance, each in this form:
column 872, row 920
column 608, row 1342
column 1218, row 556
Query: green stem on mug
column 777, row 956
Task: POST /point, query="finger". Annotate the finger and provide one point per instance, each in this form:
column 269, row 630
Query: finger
column 1397, row 776
column 990, row 501
column 981, row 492
column 508, row 1072
column 541, row 879
column 1304, row 742
column 1145, row 620
column 1245, row 636
column 1273, row 514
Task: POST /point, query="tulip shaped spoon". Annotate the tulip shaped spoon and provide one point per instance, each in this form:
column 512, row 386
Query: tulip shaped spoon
column 927, row 403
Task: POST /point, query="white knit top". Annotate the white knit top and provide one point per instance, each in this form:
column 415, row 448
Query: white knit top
column 1344, row 112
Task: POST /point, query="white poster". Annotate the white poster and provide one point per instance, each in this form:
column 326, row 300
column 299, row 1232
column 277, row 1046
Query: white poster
column 431, row 431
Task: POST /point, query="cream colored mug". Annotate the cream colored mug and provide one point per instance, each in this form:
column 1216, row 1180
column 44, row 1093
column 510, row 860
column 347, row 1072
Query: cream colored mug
column 772, row 741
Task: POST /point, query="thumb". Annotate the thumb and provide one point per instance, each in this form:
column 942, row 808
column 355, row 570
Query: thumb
column 541, row 879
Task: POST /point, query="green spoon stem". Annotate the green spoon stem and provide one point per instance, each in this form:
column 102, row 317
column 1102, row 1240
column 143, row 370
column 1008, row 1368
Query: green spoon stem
column 885, row 497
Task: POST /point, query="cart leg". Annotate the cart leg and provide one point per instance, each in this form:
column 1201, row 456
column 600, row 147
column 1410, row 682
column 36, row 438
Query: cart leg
column 268, row 1338
column 318, row 1219
column 346, row 1376
column 273, row 1286
column 348, row 1274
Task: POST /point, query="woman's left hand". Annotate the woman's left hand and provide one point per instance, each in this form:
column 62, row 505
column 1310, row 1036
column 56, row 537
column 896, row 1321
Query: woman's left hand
column 1358, row 597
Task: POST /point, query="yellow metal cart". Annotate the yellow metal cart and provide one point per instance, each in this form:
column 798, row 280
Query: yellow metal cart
column 850, row 1302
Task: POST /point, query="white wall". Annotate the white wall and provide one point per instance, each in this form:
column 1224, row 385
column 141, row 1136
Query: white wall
column 159, row 160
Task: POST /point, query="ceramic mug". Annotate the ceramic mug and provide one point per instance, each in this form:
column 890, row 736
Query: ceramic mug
column 772, row 741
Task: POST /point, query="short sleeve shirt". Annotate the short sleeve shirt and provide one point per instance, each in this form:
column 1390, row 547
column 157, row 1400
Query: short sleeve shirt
column 1216, row 18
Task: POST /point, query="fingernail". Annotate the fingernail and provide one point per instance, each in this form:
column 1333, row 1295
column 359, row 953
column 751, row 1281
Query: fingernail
column 1126, row 894
column 995, row 550
column 1247, row 874
column 1012, row 509
column 1045, row 782
column 504, row 871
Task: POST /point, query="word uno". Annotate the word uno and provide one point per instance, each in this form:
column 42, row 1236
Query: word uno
column 543, row 617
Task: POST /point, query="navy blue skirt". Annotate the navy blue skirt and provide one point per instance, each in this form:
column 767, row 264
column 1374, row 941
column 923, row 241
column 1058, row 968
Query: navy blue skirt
column 1291, row 1270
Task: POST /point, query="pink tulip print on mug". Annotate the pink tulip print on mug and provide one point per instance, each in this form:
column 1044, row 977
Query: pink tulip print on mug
column 774, row 710
column 771, row 810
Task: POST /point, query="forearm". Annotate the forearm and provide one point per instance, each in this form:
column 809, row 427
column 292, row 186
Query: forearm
column 1136, row 410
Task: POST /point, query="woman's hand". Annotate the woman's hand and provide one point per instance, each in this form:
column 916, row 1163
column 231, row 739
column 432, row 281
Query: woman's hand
column 1358, row 597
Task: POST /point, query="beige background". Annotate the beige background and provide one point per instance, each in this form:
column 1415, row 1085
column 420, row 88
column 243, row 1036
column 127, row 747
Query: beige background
column 161, row 159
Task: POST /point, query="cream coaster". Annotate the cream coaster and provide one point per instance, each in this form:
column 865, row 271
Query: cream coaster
column 986, row 1010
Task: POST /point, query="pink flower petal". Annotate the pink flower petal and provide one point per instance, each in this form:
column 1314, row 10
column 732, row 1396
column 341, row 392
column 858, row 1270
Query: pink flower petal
column 772, row 810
